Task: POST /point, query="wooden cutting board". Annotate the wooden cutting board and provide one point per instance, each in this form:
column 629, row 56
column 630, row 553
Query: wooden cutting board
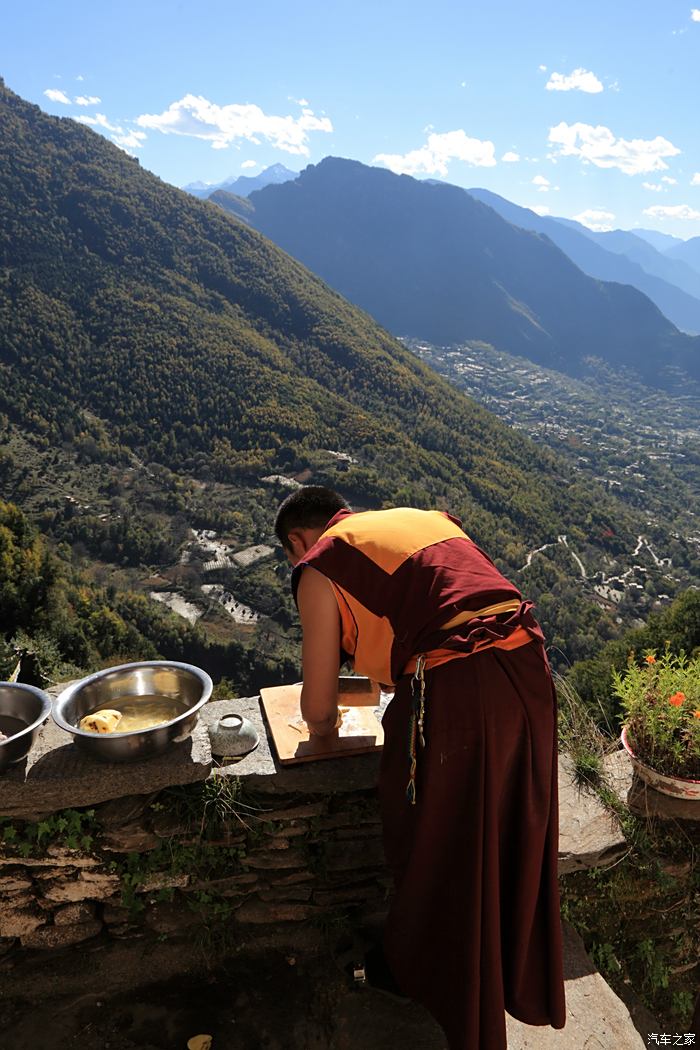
column 360, row 732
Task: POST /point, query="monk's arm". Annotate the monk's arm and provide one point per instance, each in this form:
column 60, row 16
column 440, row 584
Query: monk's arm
column 320, row 621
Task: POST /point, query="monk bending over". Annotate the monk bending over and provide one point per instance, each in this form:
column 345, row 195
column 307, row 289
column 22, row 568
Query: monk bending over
column 468, row 775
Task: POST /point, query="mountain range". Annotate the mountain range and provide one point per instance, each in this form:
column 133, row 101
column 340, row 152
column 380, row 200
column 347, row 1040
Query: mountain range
column 615, row 255
column 141, row 326
column 243, row 185
column 429, row 261
column 687, row 251
column 661, row 241
column 665, row 268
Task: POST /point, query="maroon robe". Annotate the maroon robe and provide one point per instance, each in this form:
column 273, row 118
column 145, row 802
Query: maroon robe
column 474, row 926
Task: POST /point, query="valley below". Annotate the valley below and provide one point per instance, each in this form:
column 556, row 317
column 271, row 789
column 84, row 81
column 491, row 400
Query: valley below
column 641, row 444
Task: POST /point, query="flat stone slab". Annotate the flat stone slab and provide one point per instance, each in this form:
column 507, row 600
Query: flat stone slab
column 589, row 834
column 58, row 775
column 642, row 800
column 263, row 772
column 596, row 1018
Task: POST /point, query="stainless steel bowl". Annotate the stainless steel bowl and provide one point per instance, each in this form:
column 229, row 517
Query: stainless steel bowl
column 28, row 705
column 183, row 682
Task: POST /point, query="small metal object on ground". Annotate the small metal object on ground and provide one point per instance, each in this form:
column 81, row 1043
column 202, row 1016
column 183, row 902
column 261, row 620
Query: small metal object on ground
column 233, row 736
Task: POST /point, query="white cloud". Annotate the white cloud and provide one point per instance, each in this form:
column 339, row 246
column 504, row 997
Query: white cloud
column 126, row 138
column 579, row 80
column 80, row 100
column 129, row 139
column 672, row 211
column 695, row 14
column 433, row 158
column 597, row 145
column 539, row 209
column 695, row 181
column 510, row 157
column 542, row 69
column 196, row 117
column 100, row 120
column 596, row 219
column 249, row 164
column 57, row 96
column 542, row 183
column 662, row 185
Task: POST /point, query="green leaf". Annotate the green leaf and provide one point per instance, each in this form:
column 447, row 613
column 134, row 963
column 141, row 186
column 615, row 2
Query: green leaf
column 43, row 830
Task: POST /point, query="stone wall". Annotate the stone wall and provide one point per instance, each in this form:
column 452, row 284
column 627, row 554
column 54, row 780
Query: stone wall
column 247, row 853
column 226, row 858
column 148, row 871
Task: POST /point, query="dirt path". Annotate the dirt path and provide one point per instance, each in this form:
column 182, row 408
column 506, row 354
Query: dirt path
column 267, row 1005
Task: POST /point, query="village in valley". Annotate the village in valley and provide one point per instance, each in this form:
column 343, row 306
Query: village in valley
column 644, row 445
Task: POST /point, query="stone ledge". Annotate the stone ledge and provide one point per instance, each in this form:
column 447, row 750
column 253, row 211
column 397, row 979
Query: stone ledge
column 596, row 1019
column 58, row 775
column 589, row 834
column 264, row 774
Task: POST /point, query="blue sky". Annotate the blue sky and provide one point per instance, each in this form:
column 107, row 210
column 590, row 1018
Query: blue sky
column 584, row 111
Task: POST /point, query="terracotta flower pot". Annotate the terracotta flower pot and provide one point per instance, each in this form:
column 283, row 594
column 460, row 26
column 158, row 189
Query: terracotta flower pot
column 679, row 787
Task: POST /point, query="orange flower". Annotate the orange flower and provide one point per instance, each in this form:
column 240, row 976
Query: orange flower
column 650, row 659
column 677, row 699
column 696, row 714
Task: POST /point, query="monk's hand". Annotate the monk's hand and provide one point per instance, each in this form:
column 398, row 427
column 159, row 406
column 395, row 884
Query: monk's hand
column 327, row 727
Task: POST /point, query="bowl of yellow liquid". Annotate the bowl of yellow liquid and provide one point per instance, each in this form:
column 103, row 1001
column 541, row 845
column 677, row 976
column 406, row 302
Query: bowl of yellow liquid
column 133, row 711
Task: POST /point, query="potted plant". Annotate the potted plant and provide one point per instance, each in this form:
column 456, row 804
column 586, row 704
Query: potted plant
column 661, row 732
